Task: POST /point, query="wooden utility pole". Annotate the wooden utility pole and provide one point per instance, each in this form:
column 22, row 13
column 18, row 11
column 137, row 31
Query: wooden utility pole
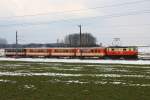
column 16, row 43
column 16, row 38
column 80, row 40
column 80, row 35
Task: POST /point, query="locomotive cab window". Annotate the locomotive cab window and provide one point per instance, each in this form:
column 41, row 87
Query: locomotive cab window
column 112, row 49
column 124, row 49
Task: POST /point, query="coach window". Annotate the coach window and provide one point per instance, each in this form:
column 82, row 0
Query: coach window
column 112, row 49
column 67, row 51
column 56, row 50
column 124, row 49
column 95, row 51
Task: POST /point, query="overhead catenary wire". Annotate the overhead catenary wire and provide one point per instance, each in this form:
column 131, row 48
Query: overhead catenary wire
column 78, row 10
column 72, row 19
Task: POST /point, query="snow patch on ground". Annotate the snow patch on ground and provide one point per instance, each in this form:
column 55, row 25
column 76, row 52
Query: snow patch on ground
column 122, row 83
column 99, row 82
column 71, row 75
column 29, row 86
column 98, row 61
column 64, row 69
column 7, row 81
column 77, row 81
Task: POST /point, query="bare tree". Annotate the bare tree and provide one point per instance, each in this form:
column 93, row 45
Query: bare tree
column 73, row 40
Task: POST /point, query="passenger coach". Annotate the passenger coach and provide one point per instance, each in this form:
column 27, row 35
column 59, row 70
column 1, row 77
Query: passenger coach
column 97, row 52
column 63, row 52
column 37, row 52
column 12, row 52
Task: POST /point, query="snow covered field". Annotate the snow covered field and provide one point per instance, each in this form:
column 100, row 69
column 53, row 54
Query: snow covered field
column 98, row 61
column 71, row 80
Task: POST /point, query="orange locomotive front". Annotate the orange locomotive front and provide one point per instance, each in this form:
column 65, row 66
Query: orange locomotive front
column 122, row 52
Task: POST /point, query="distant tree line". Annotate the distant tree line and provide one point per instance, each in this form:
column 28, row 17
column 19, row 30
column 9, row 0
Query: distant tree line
column 71, row 40
column 3, row 41
column 32, row 45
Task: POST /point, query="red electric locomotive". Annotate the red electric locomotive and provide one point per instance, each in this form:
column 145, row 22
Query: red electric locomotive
column 120, row 52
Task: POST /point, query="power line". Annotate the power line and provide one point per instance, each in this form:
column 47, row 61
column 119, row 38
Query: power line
column 137, row 25
column 67, row 11
column 71, row 19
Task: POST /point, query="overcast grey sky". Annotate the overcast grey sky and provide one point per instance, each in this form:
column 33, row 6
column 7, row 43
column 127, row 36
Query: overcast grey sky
column 45, row 21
